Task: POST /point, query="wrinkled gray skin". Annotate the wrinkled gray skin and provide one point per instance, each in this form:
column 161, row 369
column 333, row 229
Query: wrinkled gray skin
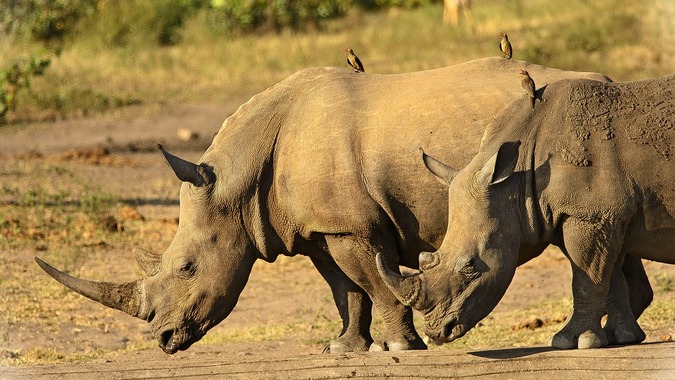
column 592, row 171
column 324, row 164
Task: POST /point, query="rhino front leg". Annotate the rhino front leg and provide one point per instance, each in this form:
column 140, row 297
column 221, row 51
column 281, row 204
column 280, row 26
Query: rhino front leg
column 582, row 329
column 354, row 306
column 593, row 251
column 356, row 257
column 622, row 326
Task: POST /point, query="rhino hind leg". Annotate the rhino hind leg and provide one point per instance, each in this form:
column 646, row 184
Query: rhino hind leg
column 356, row 257
column 640, row 290
column 354, row 307
column 355, row 335
column 622, row 326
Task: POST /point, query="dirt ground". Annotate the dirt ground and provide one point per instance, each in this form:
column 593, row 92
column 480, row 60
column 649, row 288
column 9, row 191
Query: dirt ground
column 116, row 154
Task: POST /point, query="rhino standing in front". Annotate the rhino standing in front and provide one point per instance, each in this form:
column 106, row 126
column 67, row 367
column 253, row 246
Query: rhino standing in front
column 592, row 171
column 321, row 164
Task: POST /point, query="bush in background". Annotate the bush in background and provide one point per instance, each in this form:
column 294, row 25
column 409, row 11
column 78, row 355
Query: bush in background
column 119, row 23
column 16, row 78
column 46, row 22
column 43, row 20
column 245, row 16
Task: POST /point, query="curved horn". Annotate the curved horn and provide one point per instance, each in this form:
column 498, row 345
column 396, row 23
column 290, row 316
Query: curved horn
column 406, row 289
column 444, row 173
column 185, row 170
column 127, row 297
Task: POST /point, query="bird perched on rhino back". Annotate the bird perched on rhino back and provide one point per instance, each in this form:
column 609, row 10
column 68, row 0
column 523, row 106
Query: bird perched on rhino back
column 505, row 46
column 529, row 86
column 354, row 61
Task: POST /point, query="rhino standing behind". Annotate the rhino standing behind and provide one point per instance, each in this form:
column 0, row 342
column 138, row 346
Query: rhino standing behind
column 592, row 171
column 321, row 164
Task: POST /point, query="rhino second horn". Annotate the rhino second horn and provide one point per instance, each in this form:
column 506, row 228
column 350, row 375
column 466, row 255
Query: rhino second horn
column 187, row 171
column 127, row 297
column 406, row 289
column 444, row 173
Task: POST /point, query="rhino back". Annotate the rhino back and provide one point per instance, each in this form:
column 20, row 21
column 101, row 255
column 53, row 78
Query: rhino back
column 347, row 158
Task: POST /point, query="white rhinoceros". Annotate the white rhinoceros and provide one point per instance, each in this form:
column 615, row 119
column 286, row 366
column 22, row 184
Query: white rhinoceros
column 321, row 164
column 590, row 170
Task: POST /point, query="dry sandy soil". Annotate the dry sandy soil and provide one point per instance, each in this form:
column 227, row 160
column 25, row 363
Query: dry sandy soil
column 288, row 295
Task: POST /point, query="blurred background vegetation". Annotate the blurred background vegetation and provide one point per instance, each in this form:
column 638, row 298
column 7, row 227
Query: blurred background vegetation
column 72, row 58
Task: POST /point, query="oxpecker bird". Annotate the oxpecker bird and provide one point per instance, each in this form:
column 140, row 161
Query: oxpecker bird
column 529, row 86
column 505, row 46
column 354, row 61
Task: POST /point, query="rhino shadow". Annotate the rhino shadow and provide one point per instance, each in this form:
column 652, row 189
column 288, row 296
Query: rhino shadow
column 542, row 175
column 539, row 93
column 511, row 353
column 406, row 216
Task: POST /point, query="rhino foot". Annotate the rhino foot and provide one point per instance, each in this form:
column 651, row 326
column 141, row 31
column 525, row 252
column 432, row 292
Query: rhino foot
column 624, row 334
column 378, row 347
column 347, row 344
column 397, row 346
column 591, row 339
column 567, row 340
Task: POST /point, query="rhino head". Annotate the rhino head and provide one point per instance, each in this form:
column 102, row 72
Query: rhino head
column 460, row 283
column 196, row 283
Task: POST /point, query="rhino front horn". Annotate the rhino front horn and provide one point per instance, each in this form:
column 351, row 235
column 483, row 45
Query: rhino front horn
column 406, row 289
column 126, row 297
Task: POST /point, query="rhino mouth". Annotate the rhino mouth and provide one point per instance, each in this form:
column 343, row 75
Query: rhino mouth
column 452, row 329
column 174, row 340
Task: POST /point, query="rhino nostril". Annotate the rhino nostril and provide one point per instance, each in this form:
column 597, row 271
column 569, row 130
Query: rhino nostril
column 151, row 316
column 449, row 327
column 165, row 338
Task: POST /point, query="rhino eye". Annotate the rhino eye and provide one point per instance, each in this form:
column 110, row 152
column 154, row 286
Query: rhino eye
column 469, row 269
column 187, row 269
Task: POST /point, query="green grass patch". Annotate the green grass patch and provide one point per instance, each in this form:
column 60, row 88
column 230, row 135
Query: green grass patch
column 268, row 332
column 658, row 315
column 663, row 283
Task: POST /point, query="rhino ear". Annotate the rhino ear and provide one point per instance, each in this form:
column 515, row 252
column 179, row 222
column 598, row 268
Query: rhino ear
column 500, row 166
column 443, row 172
column 186, row 171
column 149, row 261
column 428, row 260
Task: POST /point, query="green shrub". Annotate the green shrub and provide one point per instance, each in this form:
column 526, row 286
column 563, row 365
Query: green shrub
column 43, row 20
column 236, row 16
column 123, row 22
column 245, row 16
column 16, row 78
